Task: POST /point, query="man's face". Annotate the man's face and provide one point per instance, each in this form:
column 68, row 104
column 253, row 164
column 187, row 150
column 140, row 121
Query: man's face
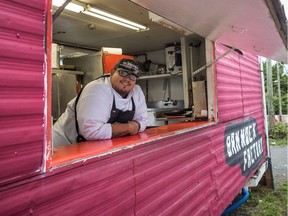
column 121, row 83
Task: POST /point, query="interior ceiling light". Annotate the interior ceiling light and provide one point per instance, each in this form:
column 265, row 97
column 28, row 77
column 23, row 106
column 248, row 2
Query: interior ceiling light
column 120, row 19
column 91, row 11
column 58, row 3
column 110, row 20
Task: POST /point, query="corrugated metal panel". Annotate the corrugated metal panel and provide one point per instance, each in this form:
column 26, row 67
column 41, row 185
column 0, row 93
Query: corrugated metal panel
column 181, row 175
column 238, row 85
column 230, row 99
column 251, row 84
column 239, row 95
column 21, row 88
column 173, row 176
column 143, row 181
column 32, row 4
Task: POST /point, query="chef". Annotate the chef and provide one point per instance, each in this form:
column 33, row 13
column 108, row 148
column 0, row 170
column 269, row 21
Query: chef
column 106, row 108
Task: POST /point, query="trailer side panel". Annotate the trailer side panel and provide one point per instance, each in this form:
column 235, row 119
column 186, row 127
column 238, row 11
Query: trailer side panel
column 22, row 30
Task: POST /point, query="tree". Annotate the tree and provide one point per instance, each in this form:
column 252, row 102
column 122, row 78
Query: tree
column 269, row 101
column 283, row 75
column 279, row 92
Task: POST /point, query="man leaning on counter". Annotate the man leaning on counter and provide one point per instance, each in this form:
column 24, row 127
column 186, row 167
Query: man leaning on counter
column 107, row 107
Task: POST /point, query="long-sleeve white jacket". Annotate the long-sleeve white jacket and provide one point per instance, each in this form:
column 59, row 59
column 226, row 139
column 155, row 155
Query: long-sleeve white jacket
column 93, row 112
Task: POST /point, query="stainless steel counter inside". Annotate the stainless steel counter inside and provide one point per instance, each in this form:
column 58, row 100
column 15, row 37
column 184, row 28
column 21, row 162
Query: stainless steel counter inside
column 157, row 110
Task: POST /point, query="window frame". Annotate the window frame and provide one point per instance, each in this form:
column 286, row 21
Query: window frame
column 48, row 149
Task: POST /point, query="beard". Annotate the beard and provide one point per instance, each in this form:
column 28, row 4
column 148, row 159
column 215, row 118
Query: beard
column 123, row 88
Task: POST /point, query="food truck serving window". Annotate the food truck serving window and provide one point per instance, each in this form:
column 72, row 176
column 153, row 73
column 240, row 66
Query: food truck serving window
column 168, row 122
column 178, row 81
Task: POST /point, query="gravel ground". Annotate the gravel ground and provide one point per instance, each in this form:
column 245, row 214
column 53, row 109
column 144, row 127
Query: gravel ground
column 279, row 163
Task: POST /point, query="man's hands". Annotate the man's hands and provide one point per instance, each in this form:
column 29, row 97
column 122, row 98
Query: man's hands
column 134, row 127
column 122, row 129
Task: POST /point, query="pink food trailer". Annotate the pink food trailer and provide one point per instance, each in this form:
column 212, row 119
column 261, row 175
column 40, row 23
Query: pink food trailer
column 183, row 168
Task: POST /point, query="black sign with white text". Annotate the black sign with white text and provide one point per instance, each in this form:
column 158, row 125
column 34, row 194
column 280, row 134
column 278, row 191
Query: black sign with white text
column 243, row 145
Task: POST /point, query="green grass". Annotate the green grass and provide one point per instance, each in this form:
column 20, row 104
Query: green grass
column 264, row 201
column 279, row 134
column 278, row 142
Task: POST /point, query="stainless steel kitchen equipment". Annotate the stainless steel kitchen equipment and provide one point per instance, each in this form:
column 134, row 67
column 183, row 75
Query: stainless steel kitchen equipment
column 64, row 88
column 96, row 64
column 91, row 65
column 158, row 109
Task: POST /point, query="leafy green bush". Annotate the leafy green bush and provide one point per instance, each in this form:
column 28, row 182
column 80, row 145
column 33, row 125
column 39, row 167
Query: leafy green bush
column 280, row 131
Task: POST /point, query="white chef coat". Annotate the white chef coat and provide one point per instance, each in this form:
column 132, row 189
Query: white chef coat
column 93, row 112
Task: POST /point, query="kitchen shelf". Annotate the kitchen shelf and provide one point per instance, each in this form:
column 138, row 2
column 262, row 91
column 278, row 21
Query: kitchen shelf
column 159, row 76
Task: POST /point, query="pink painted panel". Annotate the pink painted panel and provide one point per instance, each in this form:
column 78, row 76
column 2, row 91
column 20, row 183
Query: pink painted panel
column 251, row 84
column 22, row 31
column 238, row 84
column 175, row 177
column 229, row 88
column 32, row 4
column 22, row 18
column 185, row 174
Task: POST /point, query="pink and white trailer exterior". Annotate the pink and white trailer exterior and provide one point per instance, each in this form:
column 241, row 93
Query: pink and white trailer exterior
column 177, row 169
